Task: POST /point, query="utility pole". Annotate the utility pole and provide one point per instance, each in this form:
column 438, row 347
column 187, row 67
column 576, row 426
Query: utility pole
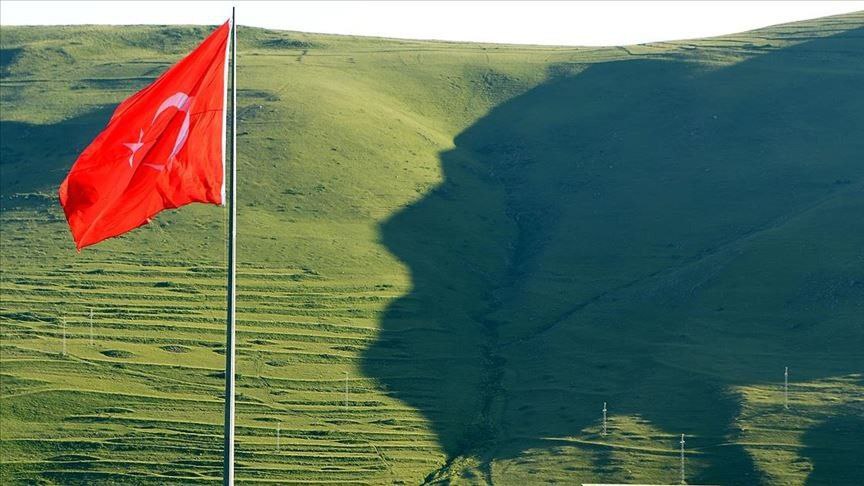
column 683, row 481
column 91, row 326
column 63, row 323
column 786, row 388
column 604, row 419
column 278, row 433
column 346, row 391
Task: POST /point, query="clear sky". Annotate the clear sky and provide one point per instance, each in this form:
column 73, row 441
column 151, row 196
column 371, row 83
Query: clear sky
column 550, row 23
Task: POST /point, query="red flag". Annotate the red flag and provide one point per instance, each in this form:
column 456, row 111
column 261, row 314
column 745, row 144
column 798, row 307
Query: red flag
column 163, row 148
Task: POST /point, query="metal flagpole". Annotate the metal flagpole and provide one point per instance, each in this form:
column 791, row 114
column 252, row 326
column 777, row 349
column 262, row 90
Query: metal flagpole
column 228, row 474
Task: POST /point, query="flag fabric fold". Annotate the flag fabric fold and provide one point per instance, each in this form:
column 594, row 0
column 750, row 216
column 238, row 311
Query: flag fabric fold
column 163, row 148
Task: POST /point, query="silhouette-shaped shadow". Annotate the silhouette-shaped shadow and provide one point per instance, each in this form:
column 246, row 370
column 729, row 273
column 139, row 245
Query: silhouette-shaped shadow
column 833, row 465
column 589, row 241
column 36, row 158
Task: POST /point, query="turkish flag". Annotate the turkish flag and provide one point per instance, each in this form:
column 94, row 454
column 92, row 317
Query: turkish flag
column 163, row 148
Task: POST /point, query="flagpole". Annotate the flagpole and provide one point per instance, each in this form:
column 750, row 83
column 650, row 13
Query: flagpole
column 228, row 474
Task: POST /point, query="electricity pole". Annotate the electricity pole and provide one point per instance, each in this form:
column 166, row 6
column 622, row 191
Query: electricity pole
column 63, row 323
column 91, row 326
column 346, row 391
column 786, row 388
column 683, row 481
column 604, row 419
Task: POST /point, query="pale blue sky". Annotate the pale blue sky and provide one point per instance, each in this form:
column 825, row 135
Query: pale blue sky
column 550, row 23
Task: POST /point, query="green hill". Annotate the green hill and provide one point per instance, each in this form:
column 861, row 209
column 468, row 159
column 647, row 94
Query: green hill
column 451, row 255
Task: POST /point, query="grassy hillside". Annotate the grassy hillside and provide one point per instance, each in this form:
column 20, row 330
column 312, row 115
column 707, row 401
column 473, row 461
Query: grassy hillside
column 451, row 255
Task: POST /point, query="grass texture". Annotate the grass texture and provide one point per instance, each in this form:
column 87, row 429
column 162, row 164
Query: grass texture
column 450, row 256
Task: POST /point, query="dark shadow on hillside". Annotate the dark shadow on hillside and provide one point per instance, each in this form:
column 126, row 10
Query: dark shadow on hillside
column 835, row 451
column 580, row 248
column 7, row 58
column 35, row 158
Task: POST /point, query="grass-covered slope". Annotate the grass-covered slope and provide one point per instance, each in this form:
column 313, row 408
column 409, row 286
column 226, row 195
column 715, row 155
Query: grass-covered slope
column 450, row 256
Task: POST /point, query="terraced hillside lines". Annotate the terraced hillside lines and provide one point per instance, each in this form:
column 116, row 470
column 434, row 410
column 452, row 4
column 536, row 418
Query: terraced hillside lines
column 145, row 398
column 481, row 243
